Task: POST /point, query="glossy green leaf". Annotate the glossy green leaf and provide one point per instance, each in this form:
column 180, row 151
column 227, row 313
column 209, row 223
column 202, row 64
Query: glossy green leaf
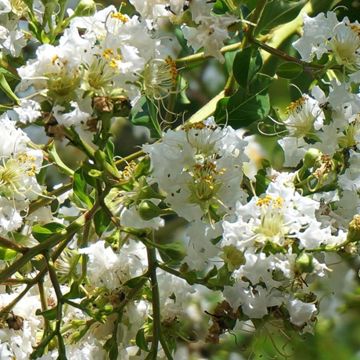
column 7, row 254
column 141, row 341
column 80, row 187
column 147, row 117
column 246, row 64
column 101, row 222
column 5, row 87
column 75, row 291
column 48, row 314
column 242, row 108
column 43, row 232
column 54, row 157
column 277, row 12
column 289, row 70
column 8, row 74
column 136, row 282
column 173, row 251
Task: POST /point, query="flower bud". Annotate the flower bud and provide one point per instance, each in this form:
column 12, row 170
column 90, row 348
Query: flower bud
column 85, row 8
column 354, row 229
column 148, row 210
column 304, row 263
column 233, row 257
column 310, row 157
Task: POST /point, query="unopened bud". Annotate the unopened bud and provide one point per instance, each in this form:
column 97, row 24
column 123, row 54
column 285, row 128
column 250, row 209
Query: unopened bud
column 310, row 157
column 85, row 8
column 233, row 257
column 354, row 229
column 304, row 263
column 148, row 210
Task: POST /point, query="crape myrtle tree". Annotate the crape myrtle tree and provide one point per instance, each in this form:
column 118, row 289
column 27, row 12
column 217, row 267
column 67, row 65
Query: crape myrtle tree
column 262, row 180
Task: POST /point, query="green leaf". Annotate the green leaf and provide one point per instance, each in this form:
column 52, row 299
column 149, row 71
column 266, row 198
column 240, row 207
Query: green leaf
column 153, row 113
column 289, row 70
column 147, row 117
column 141, row 341
column 174, row 251
column 136, row 282
column 75, row 292
column 183, row 85
column 222, row 278
column 43, row 232
column 243, row 109
column 262, row 182
column 111, row 346
column 7, row 254
column 80, row 187
column 5, row 87
column 101, row 222
column 8, row 74
column 246, row 64
column 54, row 156
column 221, row 109
column 277, row 12
column 47, row 314
column 220, row 7
column 229, row 60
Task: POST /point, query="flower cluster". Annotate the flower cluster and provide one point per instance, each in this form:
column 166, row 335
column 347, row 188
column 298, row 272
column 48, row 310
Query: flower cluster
column 210, row 225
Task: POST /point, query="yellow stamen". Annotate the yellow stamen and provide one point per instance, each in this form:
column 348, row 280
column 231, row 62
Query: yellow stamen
column 119, row 16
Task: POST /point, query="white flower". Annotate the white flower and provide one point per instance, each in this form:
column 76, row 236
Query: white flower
column 12, row 40
column 19, row 165
column 350, row 180
column 210, row 34
column 254, row 301
column 74, row 117
column 301, row 312
column 20, row 342
column 10, row 218
column 316, row 32
column 294, row 150
column 5, row 7
column 28, row 111
column 109, row 269
column 175, row 293
column 280, row 215
column 200, row 252
column 87, row 349
column 324, row 34
column 305, row 116
column 131, row 218
column 200, row 169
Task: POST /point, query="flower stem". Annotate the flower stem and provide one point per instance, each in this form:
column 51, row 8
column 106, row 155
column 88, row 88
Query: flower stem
column 157, row 335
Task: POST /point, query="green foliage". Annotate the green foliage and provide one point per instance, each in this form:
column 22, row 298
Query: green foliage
column 278, row 12
column 43, row 232
column 148, row 117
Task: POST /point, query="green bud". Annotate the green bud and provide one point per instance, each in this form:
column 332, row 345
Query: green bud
column 233, row 257
column 148, row 210
column 78, row 323
column 142, row 168
column 85, row 8
column 354, row 229
column 95, row 173
column 310, row 157
column 108, row 308
column 304, row 263
column 278, row 275
column 147, row 192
